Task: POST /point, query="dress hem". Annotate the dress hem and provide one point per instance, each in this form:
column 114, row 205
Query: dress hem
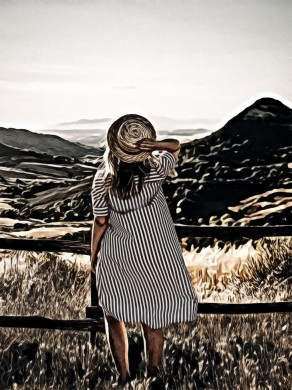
column 152, row 326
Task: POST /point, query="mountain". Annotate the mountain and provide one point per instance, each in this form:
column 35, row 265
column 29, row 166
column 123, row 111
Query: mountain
column 85, row 122
column 44, row 143
column 251, row 155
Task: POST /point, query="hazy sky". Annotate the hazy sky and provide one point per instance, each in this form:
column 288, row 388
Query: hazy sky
column 198, row 60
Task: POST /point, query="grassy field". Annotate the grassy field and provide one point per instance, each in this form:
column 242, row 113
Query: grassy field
column 213, row 352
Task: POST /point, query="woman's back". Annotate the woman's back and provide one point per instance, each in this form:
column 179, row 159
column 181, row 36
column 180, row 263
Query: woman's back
column 151, row 189
column 141, row 274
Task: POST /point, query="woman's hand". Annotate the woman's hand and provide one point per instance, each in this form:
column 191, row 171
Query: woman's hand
column 147, row 144
column 93, row 263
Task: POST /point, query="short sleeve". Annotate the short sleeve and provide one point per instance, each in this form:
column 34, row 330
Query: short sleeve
column 164, row 162
column 98, row 196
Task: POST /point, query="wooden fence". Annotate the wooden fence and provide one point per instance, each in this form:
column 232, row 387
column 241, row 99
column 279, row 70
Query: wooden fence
column 94, row 315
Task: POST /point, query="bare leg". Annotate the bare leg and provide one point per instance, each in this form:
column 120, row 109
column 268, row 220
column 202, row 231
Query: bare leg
column 153, row 342
column 118, row 340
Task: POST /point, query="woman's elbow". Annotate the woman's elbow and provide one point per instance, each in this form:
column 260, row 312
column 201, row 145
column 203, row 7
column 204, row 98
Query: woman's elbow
column 100, row 220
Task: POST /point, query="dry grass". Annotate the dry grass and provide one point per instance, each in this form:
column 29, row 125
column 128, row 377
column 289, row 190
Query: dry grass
column 215, row 352
column 44, row 284
column 257, row 271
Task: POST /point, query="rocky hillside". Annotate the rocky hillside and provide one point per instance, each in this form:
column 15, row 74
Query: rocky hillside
column 44, row 179
column 238, row 175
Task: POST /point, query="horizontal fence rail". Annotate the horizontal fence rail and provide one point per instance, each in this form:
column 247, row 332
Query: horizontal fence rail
column 233, row 231
column 94, row 314
column 78, row 247
column 39, row 322
column 45, row 245
column 94, row 321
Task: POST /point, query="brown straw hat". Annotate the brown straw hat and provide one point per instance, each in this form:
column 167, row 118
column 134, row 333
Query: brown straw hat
column 125, row 132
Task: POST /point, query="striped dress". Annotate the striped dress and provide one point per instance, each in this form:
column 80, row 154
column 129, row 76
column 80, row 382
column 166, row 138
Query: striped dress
column 141, row 275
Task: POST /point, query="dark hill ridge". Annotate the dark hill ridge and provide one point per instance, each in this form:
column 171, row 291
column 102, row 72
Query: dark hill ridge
column 267, row 124
column 248, row 156
column 44, row 143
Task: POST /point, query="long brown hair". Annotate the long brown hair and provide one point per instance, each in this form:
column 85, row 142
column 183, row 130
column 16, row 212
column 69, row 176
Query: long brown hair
column 122, row 173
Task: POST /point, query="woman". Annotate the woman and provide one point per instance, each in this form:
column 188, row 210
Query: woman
column 140, row 271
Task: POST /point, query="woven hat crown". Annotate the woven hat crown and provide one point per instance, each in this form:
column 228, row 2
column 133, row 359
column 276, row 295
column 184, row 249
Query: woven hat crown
column 125, row 132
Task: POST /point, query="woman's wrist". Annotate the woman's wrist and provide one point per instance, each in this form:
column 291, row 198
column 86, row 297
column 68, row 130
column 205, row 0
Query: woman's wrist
column 170, row 144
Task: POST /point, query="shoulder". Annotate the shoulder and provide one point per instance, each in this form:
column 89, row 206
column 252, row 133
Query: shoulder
column 164, row 155
column 168, row 155
column 101, row 178
column 101, row 174
column 98, row 178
